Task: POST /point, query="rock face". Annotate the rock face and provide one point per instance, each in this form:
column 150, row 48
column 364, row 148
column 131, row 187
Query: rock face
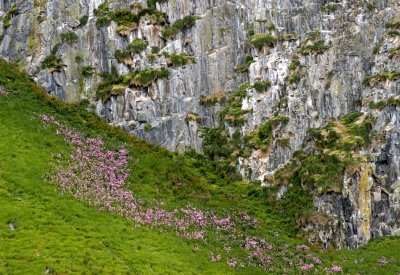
column 315, row 57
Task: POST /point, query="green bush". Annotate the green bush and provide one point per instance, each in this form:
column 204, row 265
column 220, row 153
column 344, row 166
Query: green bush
column 215, row 143
column 381, row 76
column 56, row 48
column 351, row 118
column 87, row 71
column 394, row 23
column 144, row 77
column 232, row 111
column 151, row 4
column 155, row 49
column 104, row 15
column 69, row 37
column 181, row 59
column 151, row 57
column 122, row 55
column 123, row 17
column 7, row 18
column 377, row 105
column 313, row 44
column 52, row 63
column 105, row 88
column 179, row 25
column 261, row 138
column 147, row 127
column 329, row 8
column 295, row 71
column 318, row 48
column 245, row 67
column 262, row 86
column 103, row 22
column 262, row 39
column 83, row 21
column 213, row 99
column 137, row 45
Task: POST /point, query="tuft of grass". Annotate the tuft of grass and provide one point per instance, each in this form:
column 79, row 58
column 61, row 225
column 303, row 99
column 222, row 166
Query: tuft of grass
column 262, row 39
column 181, row 59
column 213, row 99
column 52, row 63
column 9, row 15
column 137, row 45
column 313, row 44
column 232, row 111
column 261, row 138
column 329, row 8
column 262, row 86
column 87, row 71
column 381, row 76
column 69, row 37
column 179, row 25
column 83, row 21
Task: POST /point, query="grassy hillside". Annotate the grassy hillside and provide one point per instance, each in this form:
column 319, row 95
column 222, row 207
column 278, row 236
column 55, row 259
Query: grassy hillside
column 40, row 228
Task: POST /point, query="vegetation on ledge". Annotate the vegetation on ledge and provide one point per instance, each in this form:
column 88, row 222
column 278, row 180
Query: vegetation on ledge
column 213, row 99
column 181, row 59
column 262, row 39
column 233, row 112
column 69, row 37
column 381, row 76
column 9, row 15
column 261, row 138
column 337, row 145
column 262, row 86
column 295, row 70
column 52, row 63
column 393, row 27
column 115, row 85
column 178, row 26
column 314, row 44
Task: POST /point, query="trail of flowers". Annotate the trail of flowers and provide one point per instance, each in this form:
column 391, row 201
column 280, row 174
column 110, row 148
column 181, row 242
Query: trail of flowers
column 96, row 175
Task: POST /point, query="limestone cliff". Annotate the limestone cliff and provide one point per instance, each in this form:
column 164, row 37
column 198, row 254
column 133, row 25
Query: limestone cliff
column 306, row 64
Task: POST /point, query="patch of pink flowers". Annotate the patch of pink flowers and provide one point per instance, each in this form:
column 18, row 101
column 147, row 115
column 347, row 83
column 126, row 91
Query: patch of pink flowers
column 383, row 261
column 232, row 263
column 215, row 258
column 99, row 176
column 306, row 267
column 336, row 269
column 315, row 259
column 259, row 249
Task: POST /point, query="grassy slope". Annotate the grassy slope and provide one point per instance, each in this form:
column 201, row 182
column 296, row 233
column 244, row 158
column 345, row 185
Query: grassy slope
column 58, row 232
column 70, row 237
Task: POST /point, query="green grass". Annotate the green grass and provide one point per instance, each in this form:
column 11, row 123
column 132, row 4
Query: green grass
column 58, row 232
column 365, row 259
column 70, row 237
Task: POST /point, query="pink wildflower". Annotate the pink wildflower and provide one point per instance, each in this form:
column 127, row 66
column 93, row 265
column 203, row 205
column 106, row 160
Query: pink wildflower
column 215, row 258
column 336, row 269
column 232, row 263
column 306, row 267
column 382, row 261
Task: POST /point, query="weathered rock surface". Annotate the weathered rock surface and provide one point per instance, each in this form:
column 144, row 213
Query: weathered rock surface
column 330, row 85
